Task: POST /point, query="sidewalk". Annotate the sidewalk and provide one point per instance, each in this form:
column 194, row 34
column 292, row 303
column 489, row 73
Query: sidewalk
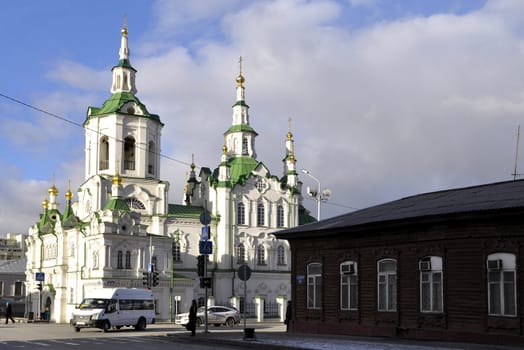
column 269, row 338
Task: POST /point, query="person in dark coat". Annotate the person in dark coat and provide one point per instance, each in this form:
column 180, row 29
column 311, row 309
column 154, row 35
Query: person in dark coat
column 193, row 317
column 289, row 311
column 8, row 313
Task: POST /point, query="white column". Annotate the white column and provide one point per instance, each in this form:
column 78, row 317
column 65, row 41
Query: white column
column 281, row 300
column 259, row 302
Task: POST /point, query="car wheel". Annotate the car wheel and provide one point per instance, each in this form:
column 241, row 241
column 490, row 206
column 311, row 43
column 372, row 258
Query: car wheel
column 230, row 322
column 141, row 324
column 77, row 329
column 106, row 326
column 198, row 322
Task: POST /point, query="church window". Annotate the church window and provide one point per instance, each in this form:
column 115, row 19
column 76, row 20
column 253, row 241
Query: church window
column 104, row 153
column 245, row 144
column 95, row 259
column 128, row 259
column 280, row 216
column 241, row 254
column 281, row 255
column 151, row 158
column 119, row 261
column 241, row 214
column 261, row 215
column 154, row 262
column 261, row 255
column 134, row 203
column 129, row 153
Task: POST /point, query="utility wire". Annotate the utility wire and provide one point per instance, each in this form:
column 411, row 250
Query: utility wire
column 82, row 126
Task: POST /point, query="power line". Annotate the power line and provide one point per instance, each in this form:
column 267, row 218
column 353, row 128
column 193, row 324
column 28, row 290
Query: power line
column 64, row 119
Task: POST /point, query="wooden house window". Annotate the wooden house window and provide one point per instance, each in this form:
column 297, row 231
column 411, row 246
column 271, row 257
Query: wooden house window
column 501, row 284
column 314, row 286
column 387, row 285
column 348, row 286
column 431, row 298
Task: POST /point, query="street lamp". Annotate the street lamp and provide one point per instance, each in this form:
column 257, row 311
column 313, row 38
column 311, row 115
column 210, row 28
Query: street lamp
column 317, row 194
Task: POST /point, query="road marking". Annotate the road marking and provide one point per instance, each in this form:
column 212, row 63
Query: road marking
column 62, row 342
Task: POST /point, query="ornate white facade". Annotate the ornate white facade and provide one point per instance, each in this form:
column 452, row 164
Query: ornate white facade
column 122, row 222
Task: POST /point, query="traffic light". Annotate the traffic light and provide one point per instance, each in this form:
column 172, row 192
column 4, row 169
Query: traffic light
column 155, row 279
column 205, row 282
column 145, row 279
column 200, row 265
column 39, row 286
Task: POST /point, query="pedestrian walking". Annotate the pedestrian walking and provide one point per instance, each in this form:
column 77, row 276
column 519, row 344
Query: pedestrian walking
column 289, row 311
column 8, row 313
column 192, row 317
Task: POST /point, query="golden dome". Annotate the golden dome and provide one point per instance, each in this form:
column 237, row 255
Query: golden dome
column 240, row 79
column 224, row 149
column 53, row 190
column 45, row 203
column 124, row 31
column 69, row 195
column 117, row 179
column 289, row 135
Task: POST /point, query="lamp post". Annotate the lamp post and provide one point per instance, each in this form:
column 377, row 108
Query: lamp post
column 317, row 194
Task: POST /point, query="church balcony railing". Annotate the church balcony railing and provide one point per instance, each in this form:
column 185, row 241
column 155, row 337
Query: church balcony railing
column 129, row 165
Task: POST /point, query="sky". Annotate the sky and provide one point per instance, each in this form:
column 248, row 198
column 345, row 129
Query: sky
column 387, row 98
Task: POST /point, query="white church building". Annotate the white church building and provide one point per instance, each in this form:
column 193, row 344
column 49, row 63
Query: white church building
column 121, row 223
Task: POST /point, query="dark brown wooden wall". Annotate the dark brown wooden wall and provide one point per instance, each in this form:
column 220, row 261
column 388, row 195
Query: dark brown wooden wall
column 463, row 245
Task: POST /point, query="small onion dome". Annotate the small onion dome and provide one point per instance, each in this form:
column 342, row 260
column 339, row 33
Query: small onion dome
column 124, row 31
column 240, row 79
column 117, row 179
column 224, row 149
column 69, row 194
column 193, row 166
column 53, row 190
column 45, row 203
column 292, row 158
column 289, row 135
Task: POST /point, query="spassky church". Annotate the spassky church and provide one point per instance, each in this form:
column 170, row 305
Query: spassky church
column 122, row 225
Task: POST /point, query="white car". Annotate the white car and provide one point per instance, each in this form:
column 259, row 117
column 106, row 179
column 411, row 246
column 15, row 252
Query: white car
column 216, row 315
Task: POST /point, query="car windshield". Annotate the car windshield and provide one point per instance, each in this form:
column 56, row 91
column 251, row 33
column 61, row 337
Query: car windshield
column 91, row 303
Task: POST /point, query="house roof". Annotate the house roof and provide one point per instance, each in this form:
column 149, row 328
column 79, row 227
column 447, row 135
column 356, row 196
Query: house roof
column 13, row 266
column 494, row 196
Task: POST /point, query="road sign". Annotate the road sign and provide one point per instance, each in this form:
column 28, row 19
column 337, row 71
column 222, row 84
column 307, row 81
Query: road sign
column 40, row 277
column 205, row 233
column 205, row 218
column 206, row 247
column 244, row 272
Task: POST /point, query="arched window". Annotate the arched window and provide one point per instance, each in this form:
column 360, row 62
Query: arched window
column 119, row 260
column 241, row 254
column 134, row 203
column 502, row 297
column 314, row 286
column 104, row 153
column 280, row 216
column 348, row 285
column 261, row 214
column 128, row 259
column 431, row 296
column 241, row 214
column 151, row 158
column 387, row 285
column 261, row 255
column 281, row 255
column 245, row 146
column 129, row 153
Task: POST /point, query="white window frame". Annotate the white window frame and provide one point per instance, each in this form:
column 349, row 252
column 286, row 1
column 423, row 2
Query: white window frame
column 281, row 255
column 261, row 255
column 387, row 284
column 241, row 253
column 280, row 215
column 261, row 214
column 431, row 285
column 498, row 281
column 314, row 285
column 348, row 285
column 241, row 213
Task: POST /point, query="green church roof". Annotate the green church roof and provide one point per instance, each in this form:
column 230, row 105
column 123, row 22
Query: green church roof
column 114, row 103
column 241, row 127
column 240, row 168
column 117, row 204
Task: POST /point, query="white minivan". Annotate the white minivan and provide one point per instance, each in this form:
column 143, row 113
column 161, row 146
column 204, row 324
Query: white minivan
column 107, row 308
